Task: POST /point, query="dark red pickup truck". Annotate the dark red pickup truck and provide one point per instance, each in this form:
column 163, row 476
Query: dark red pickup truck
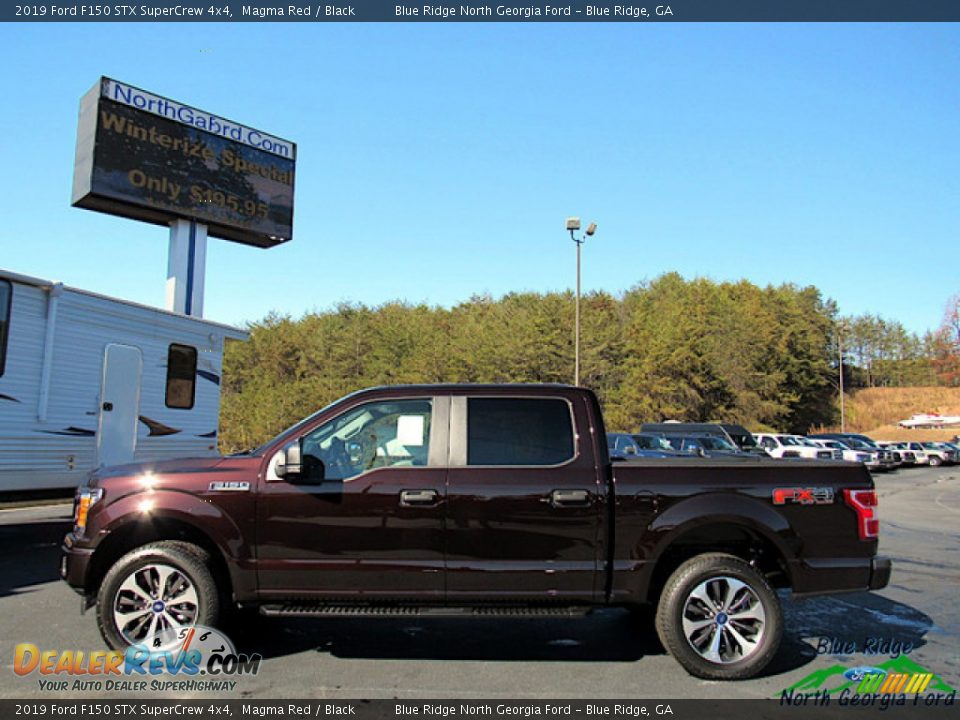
column 472, row 499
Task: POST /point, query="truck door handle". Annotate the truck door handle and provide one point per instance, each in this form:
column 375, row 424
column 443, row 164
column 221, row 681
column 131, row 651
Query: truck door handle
column 569, row 498
column 410, row 498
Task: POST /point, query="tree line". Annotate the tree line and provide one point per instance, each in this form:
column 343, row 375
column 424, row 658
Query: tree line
column 693, row 350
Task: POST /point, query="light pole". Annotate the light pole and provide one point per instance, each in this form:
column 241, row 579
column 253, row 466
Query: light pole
column 573, row 224
column 843, row 418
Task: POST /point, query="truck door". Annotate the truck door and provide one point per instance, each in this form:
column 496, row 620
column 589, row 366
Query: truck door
column 119, row 404
column 524, row 503
column 364, row 521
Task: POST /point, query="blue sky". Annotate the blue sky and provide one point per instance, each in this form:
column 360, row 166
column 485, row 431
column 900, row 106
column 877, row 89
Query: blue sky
column 439, row 161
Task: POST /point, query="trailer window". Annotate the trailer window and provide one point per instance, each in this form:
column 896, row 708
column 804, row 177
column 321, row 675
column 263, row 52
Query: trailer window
column 181, row 376
column 518, row 431
column 6, row 292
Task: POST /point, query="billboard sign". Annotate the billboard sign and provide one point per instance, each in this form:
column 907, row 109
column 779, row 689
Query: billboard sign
column 146, row 157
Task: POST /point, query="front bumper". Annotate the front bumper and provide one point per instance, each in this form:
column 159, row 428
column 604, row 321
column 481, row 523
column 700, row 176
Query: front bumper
column 74, row 564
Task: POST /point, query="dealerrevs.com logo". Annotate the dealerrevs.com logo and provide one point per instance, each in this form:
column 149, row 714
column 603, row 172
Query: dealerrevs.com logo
column 170, row 662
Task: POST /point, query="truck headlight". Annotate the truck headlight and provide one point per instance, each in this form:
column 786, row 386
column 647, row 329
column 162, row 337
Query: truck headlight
column 85, row 498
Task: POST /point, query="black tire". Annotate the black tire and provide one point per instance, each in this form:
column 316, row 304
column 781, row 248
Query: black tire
column 708, row 575
column 198, row 552
column 188, row 560
column 935, row 461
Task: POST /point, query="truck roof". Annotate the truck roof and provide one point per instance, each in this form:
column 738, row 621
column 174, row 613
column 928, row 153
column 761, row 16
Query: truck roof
column 507, row 388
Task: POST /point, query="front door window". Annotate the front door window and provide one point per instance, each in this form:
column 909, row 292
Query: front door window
column 394, row 433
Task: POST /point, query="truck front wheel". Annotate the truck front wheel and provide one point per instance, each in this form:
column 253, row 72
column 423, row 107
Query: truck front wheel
column 719, row 618
column 153, row 593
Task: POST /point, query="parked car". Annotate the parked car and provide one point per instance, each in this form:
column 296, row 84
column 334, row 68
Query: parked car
column 849, row 454
column 794, row 446
column 479, row 500
column 907, row 458
column 920, row 455
column 623, row 446
column 743, row 438
column 897, row 457
column 620, row 445
column 955, row 447
column 861, row 442
column 936, row 454
column 651, row 441
column 737, row 435
column 940, row 453
column 704, row 445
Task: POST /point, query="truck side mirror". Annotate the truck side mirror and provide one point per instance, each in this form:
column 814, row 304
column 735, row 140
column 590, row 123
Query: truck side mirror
column 289, row 465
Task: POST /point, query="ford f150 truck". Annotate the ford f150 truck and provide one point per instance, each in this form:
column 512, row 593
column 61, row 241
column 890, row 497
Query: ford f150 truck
column 472, row 499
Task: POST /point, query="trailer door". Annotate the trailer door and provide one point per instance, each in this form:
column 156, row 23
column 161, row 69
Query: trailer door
column 119, row 404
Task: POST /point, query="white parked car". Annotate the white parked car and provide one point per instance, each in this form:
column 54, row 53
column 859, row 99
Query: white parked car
column 921, row 454
column 850, row 455
column 937, row 454
column 908, row 458
column 780, row 445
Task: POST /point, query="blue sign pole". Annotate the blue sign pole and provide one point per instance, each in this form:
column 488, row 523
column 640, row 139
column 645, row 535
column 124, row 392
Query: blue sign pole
column 186, row 267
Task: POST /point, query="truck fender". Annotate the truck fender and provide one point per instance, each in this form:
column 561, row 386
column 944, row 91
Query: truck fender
column 717, row 508
column 203, row 517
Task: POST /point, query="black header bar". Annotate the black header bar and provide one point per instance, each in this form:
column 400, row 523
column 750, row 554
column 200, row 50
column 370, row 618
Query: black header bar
column 628, row 11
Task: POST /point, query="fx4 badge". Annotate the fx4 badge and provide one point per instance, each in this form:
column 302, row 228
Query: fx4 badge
column 803, row 496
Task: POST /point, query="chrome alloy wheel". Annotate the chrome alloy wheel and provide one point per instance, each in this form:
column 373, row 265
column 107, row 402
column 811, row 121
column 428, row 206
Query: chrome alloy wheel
column 723, row 620
column 155, row 601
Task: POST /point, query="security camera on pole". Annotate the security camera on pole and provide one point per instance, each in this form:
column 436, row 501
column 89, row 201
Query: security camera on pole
column 573, row 224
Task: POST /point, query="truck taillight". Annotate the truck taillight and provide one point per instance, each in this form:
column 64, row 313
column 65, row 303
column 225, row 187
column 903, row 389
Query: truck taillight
column 864, row 503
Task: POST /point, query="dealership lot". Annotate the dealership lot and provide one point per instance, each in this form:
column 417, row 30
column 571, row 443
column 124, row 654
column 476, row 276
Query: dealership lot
column 610, row 654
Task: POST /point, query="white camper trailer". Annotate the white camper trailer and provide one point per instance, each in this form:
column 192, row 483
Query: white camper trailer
column 89, row 381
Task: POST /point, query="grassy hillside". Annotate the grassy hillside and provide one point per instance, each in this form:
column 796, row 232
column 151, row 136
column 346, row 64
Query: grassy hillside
column 875, row 411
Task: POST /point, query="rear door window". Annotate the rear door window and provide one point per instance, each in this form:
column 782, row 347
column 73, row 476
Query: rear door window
column 519, row 431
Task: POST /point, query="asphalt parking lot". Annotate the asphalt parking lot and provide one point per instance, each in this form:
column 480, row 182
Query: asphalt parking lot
column 610, row 654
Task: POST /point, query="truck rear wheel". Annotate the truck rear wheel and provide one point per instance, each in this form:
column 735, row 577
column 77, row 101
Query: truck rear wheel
column 719, row 618
column 153, row 592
